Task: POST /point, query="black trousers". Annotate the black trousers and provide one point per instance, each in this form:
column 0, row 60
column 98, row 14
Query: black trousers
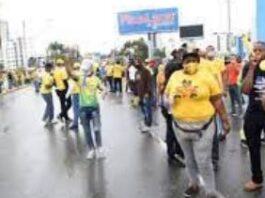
column 65, row 103
column 173, row 146
column 253, row 128
column 118, row 85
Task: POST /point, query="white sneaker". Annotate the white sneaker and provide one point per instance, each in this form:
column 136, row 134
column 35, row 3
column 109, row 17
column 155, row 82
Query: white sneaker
column 91, row 155
column 100, row 154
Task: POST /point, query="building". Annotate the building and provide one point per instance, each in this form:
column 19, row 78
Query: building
column 13, row 51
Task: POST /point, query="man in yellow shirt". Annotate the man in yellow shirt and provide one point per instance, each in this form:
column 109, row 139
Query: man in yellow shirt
column 75, row 91
column 61, row 83
column 118, row 72
column 109, row 75
column 46, row 91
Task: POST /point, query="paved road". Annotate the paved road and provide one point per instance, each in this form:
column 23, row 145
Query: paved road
column 37, row 162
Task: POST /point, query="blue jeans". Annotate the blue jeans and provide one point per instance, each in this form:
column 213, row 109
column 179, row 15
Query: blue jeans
column 49, row 110
column 146, row 107
column 88, row 116
column 36, row 85
column 75, row 101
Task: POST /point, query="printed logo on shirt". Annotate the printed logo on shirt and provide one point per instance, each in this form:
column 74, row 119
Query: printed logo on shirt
column 259, row 87
column 187, row 90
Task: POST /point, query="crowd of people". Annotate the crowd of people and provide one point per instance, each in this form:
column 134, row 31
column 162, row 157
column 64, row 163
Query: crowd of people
column 14, row 78
column 191, row 90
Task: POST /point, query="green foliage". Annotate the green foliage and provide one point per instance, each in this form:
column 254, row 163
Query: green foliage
column 159, row 53
column 136, row 48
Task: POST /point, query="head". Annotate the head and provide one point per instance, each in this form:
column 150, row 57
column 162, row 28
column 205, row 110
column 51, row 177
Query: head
column 210, row 52
column 87, row 67
column 259, row 51
column 138, row 63
column 59, row 62
column 118, row 62
column 191, row 63
column 233, row 59
column 76, row 66
column 175, row 54
column 48, row 67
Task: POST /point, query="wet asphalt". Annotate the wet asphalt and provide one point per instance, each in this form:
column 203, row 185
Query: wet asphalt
column 41, row 162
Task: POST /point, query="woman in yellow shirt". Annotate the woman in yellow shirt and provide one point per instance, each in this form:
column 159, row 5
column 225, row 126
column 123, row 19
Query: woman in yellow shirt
column 118, row 72
column 46, row 91
column 195, row 97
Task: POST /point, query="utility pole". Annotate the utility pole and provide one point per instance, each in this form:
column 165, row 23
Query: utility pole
column 229, row 26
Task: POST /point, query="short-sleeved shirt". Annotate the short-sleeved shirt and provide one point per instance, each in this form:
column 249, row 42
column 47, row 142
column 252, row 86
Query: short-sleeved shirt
column 89, row 87
column 255, row 106
column 60, row 75
column 46, row 80
column 191, row 95
column 233, row 71
column 216, row 67
column 118, row 71
column 109, row 70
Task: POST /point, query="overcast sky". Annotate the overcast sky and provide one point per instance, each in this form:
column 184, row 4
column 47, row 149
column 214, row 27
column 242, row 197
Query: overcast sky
column 93, row 25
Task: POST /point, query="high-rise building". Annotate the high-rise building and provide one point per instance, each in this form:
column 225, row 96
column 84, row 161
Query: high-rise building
column 13, row 51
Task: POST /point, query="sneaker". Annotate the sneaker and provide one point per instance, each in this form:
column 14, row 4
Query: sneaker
column 145, row 129
column 180, row 159
column 50, row 123
column 251, row 186
column 234, row 114
column 60, row 118
column 100, row 154
column 244, row 143
column 191, row 191
column 91, row 154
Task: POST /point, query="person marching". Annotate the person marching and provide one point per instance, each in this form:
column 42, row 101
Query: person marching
column 61, row 83
column 89, row 112
column 118, row 72
column 46, row 92
column 75, row 91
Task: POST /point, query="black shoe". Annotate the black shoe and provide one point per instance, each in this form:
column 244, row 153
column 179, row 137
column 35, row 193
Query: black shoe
column 60, row 118
column 191, row 191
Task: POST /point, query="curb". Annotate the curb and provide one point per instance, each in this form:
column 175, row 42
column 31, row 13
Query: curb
column 14, row 90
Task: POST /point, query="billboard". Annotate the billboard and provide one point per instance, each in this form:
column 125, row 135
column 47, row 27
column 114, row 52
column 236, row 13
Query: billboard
column 192, row 31
column 148, row 21
column 260, row 20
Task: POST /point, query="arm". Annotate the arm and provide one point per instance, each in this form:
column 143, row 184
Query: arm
column 248, row 80
column 218, row 104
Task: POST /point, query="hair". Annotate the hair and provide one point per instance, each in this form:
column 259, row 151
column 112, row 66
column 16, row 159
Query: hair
column 191, row 55
column 260, row 43
column 118, row 62
column 48, row 66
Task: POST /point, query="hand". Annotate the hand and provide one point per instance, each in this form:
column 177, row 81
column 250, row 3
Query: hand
column 226, row 127
column 253, row 65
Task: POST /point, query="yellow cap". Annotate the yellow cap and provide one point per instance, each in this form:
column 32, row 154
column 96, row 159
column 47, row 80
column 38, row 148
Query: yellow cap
column 59, row 61
column 76, row 65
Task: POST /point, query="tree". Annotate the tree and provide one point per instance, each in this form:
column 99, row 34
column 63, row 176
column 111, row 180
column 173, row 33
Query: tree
column 136, row 48
column 159, row 53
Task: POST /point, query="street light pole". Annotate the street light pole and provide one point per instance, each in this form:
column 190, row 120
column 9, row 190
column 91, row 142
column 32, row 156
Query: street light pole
column 228, row 2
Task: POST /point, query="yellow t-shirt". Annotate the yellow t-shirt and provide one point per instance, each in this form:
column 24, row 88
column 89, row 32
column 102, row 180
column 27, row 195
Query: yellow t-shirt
column 117, row 71
column 109, row 69
column 215, row 67
column 89, row 91
column 190, row 95
column 46, row 80
column 59, row 76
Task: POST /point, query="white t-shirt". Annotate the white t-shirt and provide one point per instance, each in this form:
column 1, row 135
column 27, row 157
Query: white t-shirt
column 132, row 72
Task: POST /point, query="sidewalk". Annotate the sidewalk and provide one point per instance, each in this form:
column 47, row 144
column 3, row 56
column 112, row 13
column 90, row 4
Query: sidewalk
column 5, row 92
